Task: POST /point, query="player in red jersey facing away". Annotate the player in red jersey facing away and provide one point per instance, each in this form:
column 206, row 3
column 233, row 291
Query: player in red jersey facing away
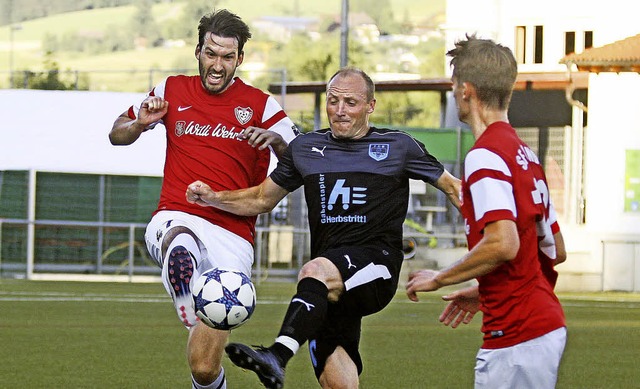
column 221, row 131
column 512, row 232
column 356, row 185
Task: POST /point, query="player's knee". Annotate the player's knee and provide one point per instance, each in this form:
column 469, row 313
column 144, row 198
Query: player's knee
column 334, row 380
column 321, row 269
column 204, row 380
column 171, row 235
column 309, row 269
column 340, row 372
column 325, row 271
column 204, row 352
column 203, row 372
column 339, row 385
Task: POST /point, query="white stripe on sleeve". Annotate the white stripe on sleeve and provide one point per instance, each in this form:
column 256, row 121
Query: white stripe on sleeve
column 271, row 108
column 490, row 194
column 553, row 216
column 484, row 159
column 158, row 90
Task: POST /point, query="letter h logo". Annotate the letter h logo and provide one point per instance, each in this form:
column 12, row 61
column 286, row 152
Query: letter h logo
column 348, row 195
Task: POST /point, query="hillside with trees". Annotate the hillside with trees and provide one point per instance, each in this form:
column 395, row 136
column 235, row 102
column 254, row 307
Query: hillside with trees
column 16, row 11
column 130, row 45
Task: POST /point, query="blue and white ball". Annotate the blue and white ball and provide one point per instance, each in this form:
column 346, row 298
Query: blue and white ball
column 224, row 299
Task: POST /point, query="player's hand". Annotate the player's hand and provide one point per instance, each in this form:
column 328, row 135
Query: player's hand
column 463, row 305
column 152, row 109
column 200, row 193
column 421, row 281
column 261, row 138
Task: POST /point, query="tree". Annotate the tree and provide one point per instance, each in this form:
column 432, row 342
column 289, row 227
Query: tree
column 380, row 11
column 144, row 26
column 307, row 59
column 49, row 79
column 186, row 26
column 407, row 109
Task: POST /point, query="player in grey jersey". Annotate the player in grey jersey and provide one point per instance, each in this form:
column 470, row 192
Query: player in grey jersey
column 356, row 182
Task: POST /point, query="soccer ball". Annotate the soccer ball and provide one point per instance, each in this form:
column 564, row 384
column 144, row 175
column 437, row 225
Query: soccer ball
column 224, row 299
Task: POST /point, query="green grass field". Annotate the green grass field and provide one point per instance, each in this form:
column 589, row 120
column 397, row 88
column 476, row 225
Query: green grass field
column 108, row 335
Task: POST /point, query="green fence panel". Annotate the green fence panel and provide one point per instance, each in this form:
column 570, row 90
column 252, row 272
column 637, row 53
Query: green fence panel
column 66, row 196
column 442, row 143
column 14, row 190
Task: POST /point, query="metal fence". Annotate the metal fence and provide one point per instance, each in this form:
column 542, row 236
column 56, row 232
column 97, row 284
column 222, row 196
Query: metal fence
column 93, row 224
column 62, row 246
column 55, row 247
column 54, row 224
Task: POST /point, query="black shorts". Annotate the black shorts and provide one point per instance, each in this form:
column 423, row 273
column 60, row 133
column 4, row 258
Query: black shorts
column 370, row 275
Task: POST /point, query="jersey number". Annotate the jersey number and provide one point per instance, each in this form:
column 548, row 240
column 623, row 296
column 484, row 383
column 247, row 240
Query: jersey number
column 540, row 196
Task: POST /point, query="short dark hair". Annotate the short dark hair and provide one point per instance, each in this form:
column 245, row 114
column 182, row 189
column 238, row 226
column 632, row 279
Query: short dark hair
column 371, row 88
column 225, row 24
column 488, row 66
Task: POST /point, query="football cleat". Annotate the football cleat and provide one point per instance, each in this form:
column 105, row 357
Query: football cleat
column 261, row 361
column 179, row 270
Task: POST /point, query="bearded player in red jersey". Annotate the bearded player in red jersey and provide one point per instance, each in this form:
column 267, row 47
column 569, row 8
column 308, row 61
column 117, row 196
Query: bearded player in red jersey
column 512, row 231
column 219, row 130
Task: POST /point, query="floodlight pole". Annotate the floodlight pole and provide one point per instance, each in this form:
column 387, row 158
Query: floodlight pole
column 344, row 34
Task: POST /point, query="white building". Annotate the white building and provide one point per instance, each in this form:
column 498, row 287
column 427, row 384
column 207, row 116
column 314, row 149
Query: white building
column 600, row 169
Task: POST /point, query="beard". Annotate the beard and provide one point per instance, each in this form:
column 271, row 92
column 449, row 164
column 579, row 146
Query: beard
column 214, row 88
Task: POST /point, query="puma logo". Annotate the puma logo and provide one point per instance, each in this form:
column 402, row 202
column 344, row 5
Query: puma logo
column 317, row 150
column 306, row 304
column 349, row 264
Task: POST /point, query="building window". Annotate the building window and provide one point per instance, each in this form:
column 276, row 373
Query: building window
column 588, row 39
column 569, row 42
column 521, row 44
column 537, row 48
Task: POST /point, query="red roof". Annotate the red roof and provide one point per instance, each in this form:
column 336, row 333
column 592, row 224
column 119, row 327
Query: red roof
column 619, row 56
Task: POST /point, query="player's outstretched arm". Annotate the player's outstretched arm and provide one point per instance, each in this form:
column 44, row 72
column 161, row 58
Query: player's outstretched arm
column 421, row 281
column 561, row 251
column 463, row 305
column 500, row 243
column 450, row 186
column 244, row 202
column 125, row 130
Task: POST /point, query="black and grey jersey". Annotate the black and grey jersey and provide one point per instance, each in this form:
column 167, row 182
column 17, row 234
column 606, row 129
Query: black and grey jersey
column 356, row 190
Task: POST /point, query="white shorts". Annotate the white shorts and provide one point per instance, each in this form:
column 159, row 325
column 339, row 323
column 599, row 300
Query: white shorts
column 532, row 364
column 218, row 247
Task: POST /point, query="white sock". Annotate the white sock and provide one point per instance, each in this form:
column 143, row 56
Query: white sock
column 289, row 342
column 218, row 383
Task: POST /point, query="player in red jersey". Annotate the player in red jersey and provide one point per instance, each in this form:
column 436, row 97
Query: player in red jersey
column 512, row 231
column 221, row 131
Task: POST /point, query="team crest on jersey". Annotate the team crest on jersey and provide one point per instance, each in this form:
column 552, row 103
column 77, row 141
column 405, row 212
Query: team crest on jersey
column 243, row 114
column 379, row 151
column 180, row 126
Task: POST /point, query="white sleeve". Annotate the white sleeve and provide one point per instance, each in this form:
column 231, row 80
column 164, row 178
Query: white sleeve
column 285, row 127
column 489, row 193
column 158, row 90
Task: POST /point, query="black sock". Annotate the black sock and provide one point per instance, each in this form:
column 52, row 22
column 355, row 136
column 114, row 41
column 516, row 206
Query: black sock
column 306, row 313
column 282, row 352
